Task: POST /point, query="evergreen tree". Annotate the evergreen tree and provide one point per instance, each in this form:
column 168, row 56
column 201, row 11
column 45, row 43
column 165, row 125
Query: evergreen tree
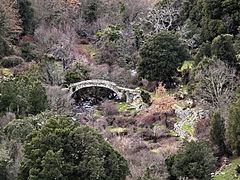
column 62, row 150
column 193, row 160
column 27, row 14
column 233, row 124
column 161, row 55
column 222, row 47
column 217, row 132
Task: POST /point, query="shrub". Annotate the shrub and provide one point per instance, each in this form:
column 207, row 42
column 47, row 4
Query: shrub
column 11, row 61
column 193, row 160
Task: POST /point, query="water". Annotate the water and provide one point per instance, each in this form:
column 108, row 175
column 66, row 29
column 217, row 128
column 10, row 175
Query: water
column 84, row 108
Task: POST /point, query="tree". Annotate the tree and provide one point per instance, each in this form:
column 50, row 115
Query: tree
column 214, row 84
column 193, row 160
column 222, row 48
column 161, row 55
column 23, row 95
column 51, row 72
column 233, row 124
column 217, row 132
column 161, row 16
column 26, row 13
column 62, row 150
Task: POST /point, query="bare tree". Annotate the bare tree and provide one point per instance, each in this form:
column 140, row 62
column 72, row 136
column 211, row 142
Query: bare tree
column 190, row 34
column 162, row 16
column 59, row 99
column 216, row 83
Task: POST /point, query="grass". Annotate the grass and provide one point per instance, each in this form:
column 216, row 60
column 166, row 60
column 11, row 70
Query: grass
column 175, row 119
column 116, row 130
column 122, row 106
column 6, row 72
column 96, row 113
column 184, row 89
column 157, row 126
column 229, row 171
column 155, row 151
column 189, row 129
column 59, row 63
column 89, row 48
column 173, row 133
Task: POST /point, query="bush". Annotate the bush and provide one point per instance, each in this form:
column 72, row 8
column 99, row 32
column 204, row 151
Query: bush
column 11, row 61
column 193, row 160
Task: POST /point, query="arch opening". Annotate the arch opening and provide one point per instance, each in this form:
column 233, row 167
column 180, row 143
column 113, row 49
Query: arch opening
column 93, row 95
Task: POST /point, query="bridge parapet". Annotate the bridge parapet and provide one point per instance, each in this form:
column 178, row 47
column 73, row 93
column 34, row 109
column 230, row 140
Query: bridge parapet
column 131, row 95
column 96, row 83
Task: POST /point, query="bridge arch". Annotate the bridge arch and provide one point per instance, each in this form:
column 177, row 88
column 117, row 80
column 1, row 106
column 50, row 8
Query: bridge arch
column 95, row 83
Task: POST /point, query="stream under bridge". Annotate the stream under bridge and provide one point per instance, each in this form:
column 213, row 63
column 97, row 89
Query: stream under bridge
column 131, row 95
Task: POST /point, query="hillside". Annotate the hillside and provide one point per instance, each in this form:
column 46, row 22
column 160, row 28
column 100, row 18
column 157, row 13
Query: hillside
column 119, row 89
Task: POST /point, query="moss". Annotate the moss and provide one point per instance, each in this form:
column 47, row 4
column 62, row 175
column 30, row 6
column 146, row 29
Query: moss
column 229, row 171
column 6, row 72
column 188, row 128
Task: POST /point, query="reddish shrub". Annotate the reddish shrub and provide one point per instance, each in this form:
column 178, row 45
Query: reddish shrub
column 25, row 39
column 122, row 121
column 83, row 41
column 146, row 121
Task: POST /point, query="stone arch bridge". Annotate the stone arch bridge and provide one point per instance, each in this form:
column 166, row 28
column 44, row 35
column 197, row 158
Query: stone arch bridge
column 131, row 95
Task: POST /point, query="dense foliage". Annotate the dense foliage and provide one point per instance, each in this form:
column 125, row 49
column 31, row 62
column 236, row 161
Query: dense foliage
column 23, row 95
column 192, row 46
column 161, row 55
column 233, row 124
column 193, row 160
column 217, row 132
column 63, row 150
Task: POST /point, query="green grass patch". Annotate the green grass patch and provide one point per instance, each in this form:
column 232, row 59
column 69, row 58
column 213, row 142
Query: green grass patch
column 116, row 130
column 59, row 63
column 155, row 151
column 173, row 133
column 96, row 113
column 122, row 106
column 229, row 171
column 189, row 129
column 157, row 126
column 6, row 72
column 184, row 89
column 175, row 119
column 90, row 49
column 186, row 65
